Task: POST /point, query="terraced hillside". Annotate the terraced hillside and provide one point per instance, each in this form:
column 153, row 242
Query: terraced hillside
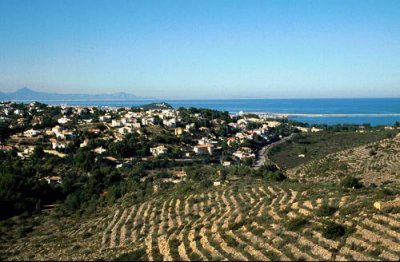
column 245, row 220
column 375, row 163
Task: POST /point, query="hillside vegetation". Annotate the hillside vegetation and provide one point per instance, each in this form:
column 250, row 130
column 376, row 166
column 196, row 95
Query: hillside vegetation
column 376, row 163
column 248, row 219
column 317, row 145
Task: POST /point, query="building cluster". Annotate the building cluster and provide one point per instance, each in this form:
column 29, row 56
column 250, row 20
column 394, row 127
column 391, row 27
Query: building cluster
column 62, row 130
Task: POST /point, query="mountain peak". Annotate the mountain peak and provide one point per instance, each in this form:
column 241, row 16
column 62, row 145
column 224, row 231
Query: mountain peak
column 25, row 93
column 24, row 89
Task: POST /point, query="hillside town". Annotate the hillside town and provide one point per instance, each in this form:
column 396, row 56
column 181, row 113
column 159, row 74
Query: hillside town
column 161, row 132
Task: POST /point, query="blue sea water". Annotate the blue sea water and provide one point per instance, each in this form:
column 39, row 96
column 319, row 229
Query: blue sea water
column 380, row 107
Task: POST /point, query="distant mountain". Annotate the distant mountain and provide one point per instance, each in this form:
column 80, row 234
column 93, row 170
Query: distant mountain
column 31, row 95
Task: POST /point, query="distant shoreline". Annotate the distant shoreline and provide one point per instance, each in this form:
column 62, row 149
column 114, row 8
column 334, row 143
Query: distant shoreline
column 322, row 115
column 375, row 111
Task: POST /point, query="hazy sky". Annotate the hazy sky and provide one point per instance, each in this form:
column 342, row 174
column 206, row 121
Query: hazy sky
column 202, row 49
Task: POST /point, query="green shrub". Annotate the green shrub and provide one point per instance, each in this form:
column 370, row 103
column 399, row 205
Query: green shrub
column 174, row 245
column 296, row 223
column 343, row 167
column 391, row 210
column 258, row 231
column 333, row 231
column 86, row 235
column 206, row 183
column 326, row 210
column 269, row 168
column 23, row 230
column 375, row 252
column 389, row 192
column 236, row 225
column 351, row 182
column 275, row 176
column 138, row 254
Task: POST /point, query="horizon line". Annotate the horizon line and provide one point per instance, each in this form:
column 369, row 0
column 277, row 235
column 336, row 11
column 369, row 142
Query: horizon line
column 147, row 97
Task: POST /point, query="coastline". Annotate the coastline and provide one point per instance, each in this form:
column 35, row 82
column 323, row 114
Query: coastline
column 284, row 115
column 375, row 112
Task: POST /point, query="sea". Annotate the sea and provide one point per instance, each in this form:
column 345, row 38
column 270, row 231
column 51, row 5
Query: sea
column 373, row 111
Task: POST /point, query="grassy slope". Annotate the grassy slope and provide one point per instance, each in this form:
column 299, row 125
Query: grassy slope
column 377, row 164
column 318, row 145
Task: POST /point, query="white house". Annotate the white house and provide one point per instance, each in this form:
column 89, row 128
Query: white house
column 125, row 130
column 158, row 150
column 189, row 126
column 53, row 180
column 18, row 112
column 170, row 122
column 178, row 131
column 100, row 150
column 148, row 121
column 29, row 150
column 63, row 120
column 243, row 155
column 116, row 123
column 84, row 143
column 56, row 129
column 204, row 141
column 88, row 120
column 32, row 133
column 226, row 163
column 133, row 125
column 59, row 144
column 65, row 134
column 105, row 118
column 203, row 149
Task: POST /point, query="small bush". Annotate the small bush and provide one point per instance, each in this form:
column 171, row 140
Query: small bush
column 174, row 245
column 275, row 176
column 351, row 182
column 343, row 167
column 333, row 231
column 375, row 252
column 206, row 183
column 391, row 210
column 136, row 255
column 22, row 231
column 389, row 192
column 325, row 210
column 86, row 235
column 296, row 223
column 270, row 168
column 258, row 231
column 236, row 225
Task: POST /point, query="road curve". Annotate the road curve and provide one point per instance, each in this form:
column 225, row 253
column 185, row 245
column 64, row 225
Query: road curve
column 262, row 154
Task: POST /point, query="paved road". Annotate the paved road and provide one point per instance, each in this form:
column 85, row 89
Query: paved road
column 262, row 154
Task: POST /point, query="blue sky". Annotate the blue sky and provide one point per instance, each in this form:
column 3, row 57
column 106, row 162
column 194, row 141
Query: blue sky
column 202, row 49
